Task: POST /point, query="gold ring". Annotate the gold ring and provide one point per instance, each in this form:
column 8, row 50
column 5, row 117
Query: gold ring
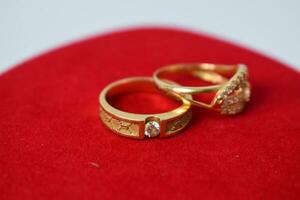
column 141, row 126
column 231, row 94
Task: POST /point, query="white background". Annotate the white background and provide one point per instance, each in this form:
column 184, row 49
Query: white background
column 29, row 27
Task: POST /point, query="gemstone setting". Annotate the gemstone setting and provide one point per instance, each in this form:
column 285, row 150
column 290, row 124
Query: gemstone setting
column 234, row 96
column 152, row 129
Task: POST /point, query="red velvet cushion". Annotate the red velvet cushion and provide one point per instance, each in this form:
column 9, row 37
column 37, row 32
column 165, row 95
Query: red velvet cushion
column 53, row 146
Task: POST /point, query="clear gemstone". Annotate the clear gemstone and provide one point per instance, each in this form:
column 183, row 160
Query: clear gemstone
column 152, row 129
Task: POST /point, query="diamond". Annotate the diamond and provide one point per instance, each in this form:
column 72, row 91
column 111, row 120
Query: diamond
column 152, row 129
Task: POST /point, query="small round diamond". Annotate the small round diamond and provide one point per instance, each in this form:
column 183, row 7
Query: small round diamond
column 152, row 129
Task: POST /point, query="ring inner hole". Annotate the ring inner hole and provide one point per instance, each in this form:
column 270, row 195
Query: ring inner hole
column 190, row 78
column 140, row 97
column 186, row 78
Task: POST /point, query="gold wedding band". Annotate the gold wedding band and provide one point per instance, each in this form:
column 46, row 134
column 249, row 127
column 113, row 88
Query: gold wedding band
column 141, row 126
column 231, row 94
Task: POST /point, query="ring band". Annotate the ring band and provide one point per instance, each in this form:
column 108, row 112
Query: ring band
column 231, row 95
column 140, row 126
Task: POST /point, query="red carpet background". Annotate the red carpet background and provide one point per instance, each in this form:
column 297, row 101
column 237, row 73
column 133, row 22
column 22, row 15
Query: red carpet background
column 54, row 147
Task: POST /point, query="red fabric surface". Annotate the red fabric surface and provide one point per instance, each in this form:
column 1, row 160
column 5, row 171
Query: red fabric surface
column 54, row 147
